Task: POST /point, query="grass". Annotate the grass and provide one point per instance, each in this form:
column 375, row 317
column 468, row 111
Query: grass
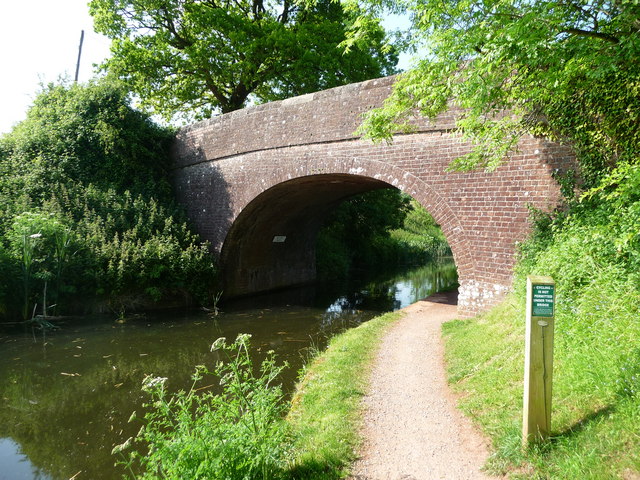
column 596, row 403
column 326, row 412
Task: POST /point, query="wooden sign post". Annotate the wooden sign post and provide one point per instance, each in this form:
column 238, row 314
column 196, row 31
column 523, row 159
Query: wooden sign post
column 538, row 360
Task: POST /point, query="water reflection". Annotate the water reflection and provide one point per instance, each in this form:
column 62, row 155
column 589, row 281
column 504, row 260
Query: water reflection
column 15, row 465
column 64, row 404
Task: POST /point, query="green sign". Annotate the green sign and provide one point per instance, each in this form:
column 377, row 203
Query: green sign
column 543, row 299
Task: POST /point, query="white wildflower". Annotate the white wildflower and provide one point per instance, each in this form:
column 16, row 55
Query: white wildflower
column 219, row 343
column 150, row 382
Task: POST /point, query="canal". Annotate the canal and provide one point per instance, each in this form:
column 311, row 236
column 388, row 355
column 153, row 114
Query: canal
column 65, row 398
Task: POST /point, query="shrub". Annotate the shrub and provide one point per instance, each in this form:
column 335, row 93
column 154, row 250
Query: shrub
column 239, row 433
column 86, row 202
column 596, row 356
column 377, row 229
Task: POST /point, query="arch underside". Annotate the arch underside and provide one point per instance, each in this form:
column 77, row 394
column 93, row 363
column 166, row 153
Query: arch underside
column 272, row 243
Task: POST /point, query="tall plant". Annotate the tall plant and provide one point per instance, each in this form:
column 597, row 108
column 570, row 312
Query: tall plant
column 238, row 433
column 62, row 251
column 39, row 243
column 28, row 247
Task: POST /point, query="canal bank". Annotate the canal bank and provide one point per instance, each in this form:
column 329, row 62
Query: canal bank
column 376, row 403
column 65, row 399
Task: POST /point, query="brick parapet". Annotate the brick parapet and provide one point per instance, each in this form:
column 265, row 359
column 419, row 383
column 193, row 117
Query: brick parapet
column 328, row 116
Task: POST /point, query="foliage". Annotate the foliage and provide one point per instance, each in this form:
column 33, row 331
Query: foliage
column 593, row 253
column 76, row 135
column 41, row 244
column 356, row 233
column 332, row 257
column 136, row 245
column 629, row 381
column 86, row 209
column 7, row 272
column 239, row 433
column 599, row 233
column 420, row 238
column 378, row 228
column 242, row 432
column 567, row 70
column 197, row 57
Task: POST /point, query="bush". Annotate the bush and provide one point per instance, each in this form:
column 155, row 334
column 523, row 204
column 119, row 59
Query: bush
column 239, row 433
column 95, row 218
column 377, row 229
column 420, row 238
column 592, row 250
column 599, row 233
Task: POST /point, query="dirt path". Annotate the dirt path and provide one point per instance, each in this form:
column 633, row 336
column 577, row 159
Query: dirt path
column 413, row 430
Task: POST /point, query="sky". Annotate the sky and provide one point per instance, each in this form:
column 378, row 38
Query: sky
column 39, row 42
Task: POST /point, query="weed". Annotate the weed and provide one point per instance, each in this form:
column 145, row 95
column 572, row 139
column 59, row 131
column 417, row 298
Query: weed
column 239, row 433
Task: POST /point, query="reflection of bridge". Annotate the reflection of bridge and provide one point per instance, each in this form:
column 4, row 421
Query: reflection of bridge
column 258, row 183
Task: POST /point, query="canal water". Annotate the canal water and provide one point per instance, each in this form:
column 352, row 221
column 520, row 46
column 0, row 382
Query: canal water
column 65, row 399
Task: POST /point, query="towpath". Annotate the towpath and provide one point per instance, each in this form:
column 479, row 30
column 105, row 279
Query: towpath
column 412, row 428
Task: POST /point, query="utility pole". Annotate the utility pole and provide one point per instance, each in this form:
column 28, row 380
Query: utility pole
column 79, row 55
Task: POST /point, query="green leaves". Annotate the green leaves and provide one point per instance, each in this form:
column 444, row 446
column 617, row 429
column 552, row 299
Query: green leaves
column 357, row 232
column 87, row 173
column 600, row 233
column 190, row 58
column 565, row 70
column 88, row 134
column 237, row 433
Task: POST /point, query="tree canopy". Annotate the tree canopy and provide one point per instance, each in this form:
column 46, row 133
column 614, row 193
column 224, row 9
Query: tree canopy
column 198, row 57
column 568, row 70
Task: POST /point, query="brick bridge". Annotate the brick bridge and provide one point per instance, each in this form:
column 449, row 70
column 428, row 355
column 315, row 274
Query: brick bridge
column 257, row 183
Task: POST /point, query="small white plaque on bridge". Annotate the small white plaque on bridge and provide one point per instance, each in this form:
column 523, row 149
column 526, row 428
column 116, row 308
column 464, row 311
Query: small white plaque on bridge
column 279, row 238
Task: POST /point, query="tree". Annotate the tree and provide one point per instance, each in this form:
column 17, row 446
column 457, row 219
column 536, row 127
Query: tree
column 568, row 70
column 357, row 232
column 197, row 57
column 75, row 135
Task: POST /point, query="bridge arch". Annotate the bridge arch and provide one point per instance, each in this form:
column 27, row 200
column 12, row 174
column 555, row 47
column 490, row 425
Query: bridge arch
column 273, row 171
column 272, row 238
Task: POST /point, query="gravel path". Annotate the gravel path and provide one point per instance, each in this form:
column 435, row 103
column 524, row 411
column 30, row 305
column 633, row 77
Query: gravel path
column 412, row 428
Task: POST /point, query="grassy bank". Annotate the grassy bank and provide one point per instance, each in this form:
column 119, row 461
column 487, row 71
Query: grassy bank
column 248, row 430
column 326, row 410
column 592, row 250
column 596, row 411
